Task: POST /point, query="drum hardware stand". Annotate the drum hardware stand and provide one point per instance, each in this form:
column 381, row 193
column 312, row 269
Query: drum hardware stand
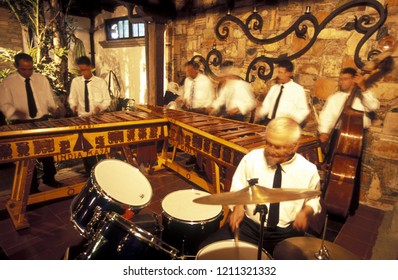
column 323, row 253
column 94, row 222
column 263, row 210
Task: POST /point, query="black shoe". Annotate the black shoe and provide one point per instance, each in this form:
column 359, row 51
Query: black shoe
column 34, row 190
column 191, row 160
column 34, row 187
column 53, row 183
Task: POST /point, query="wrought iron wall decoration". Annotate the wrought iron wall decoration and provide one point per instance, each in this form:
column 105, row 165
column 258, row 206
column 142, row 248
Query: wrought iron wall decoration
column 264, row 65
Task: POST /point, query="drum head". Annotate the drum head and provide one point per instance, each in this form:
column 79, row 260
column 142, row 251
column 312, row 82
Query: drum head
column 180, row 205
column 123, row 182
column 230, row 250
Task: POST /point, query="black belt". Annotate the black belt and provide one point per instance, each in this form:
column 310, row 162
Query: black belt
column 278, row 229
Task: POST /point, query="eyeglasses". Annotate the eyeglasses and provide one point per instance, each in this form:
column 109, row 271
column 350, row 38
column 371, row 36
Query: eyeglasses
column 279, row 147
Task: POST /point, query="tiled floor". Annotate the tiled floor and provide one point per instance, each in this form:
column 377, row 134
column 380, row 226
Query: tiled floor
column 360, row 232
column 51, row 232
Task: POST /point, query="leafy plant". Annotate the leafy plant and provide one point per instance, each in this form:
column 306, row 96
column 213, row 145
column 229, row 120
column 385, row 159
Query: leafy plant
column 49, row 37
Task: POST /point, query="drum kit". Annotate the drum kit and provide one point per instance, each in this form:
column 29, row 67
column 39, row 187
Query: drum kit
column 102, row 213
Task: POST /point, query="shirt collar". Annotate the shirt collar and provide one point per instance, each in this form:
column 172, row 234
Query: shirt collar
column 286, row 83
column 287, row 164
column 83, row 79
column 23, row 78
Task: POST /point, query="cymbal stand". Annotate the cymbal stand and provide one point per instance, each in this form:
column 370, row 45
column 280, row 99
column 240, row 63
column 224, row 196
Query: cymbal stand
column 263, row 210
column 323, row 253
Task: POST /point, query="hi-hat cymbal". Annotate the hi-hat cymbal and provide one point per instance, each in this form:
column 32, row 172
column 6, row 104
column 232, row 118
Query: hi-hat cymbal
column 256, row 195
column 308, row 248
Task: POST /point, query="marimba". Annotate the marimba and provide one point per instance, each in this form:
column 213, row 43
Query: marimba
column 221, row 143
column 74, row 138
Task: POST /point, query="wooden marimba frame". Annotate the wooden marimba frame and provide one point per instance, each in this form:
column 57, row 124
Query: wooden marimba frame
column 219, row 144
column 74, row 138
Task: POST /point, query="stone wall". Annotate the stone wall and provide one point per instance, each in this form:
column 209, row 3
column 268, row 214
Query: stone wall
column 11, row 34
column 317, row 70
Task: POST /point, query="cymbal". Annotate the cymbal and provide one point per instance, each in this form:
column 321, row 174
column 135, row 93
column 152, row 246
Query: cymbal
column 305, row 248
column 256, row 195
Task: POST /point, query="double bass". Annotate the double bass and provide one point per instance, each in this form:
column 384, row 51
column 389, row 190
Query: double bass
column 344, row 155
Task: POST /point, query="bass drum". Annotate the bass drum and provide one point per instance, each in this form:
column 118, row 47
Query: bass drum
column 186, row 223
column 113, row 186
column 120, row 239
column 231, row 250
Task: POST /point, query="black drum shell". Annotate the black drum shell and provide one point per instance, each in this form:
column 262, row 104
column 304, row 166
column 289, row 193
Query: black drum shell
column 120, row 239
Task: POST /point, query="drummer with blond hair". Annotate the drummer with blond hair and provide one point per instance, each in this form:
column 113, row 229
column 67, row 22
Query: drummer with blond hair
column 277, row 165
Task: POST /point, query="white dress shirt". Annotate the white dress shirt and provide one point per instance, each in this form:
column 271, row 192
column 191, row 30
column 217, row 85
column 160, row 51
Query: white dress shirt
column 235, row 94
column 13, row 96
column 97, row 92
column 298, row 173
column 335, row 104
column 203, row 88
column 293, row 102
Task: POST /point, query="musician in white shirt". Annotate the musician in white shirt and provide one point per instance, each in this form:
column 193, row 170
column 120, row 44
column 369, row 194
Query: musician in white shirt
column 334, row 105
column 293, row 99
column 96, row 101
column 199, row 91
column 282, row 138
column 15, row 106
column 13, row 97
column 98, row 95
column 234, row 93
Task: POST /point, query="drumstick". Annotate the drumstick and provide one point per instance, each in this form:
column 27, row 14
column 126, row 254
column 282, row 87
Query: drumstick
column 236, row 243
column 236, row 234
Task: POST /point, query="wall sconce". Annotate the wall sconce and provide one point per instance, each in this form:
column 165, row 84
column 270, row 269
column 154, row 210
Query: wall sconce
column 388, row 44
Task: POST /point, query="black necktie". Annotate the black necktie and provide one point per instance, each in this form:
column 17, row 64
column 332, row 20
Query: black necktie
column 31, row 99
column 276, row 103
column 86, row 101
column 273, row 216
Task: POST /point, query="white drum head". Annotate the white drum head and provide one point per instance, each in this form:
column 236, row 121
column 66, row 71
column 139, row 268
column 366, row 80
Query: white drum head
column 230, row 250
column 123, row 182
column 180, row 205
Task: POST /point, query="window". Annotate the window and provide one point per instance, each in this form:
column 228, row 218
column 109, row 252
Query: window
column 122, row 28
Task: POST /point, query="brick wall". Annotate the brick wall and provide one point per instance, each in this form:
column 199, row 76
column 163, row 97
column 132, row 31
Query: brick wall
column 11, row 35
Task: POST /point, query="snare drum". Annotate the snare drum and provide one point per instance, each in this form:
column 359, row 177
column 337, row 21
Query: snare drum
column 114, row 185
column 231, row 250
column 186, row 223
column 120, row 239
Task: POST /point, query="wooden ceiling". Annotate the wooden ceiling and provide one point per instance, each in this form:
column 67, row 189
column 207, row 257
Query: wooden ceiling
column 159, row 9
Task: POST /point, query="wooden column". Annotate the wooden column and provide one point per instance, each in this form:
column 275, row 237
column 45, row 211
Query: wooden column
column 155, row 62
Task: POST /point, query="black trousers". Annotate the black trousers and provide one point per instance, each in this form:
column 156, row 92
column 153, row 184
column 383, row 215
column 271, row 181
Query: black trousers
column 249, row 231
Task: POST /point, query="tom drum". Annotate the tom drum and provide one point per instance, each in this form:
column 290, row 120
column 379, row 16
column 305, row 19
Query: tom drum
column 113, row 186
column 186, row 223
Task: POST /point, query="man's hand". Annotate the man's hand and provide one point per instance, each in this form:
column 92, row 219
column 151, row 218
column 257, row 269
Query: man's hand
column 59, row 112
column 360, row 81
column 97, row 110
column 233, row 111
column 302, row 220
column 20, row 115
column 211, row 111
column 236, row 217
column 323, row 137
